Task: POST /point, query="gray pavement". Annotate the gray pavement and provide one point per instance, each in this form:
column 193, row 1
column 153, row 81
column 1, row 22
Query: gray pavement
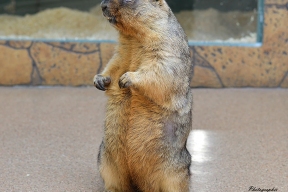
column 49, row 139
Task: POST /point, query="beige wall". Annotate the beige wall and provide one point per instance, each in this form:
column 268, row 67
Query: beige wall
column 74, row 64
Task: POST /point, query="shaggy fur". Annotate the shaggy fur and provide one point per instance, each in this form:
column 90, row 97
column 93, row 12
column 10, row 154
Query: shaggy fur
column 148, row 115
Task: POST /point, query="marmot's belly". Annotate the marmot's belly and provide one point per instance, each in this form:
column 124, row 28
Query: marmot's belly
column 137, row 121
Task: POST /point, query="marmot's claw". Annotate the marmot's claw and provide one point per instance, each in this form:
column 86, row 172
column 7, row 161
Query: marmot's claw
column 124, row 81
column 101, row 82
column 122, row 85
column 99, row 85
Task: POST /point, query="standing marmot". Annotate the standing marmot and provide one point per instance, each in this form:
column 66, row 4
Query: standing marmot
column 148, row 115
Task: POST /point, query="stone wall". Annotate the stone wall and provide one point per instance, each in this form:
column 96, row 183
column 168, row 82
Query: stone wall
column 75, row 64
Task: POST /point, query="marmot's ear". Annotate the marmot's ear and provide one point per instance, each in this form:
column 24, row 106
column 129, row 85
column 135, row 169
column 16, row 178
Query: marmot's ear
column 160, row 2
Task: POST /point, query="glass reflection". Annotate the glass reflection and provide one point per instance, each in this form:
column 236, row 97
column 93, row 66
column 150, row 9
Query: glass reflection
column 198, row 145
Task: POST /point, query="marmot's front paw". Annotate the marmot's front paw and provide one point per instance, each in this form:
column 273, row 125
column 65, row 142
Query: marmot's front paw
column 125, row 80
column 101, row 82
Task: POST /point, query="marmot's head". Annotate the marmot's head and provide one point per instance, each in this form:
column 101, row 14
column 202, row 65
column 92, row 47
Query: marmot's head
column 136, row 16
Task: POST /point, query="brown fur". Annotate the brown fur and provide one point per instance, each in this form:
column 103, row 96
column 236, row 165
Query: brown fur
column 149, row 100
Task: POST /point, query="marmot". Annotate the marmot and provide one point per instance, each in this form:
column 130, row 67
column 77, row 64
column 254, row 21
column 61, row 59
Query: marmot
column 148, row 116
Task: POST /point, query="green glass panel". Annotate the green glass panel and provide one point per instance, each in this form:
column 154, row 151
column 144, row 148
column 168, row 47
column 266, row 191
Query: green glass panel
column 206, row 22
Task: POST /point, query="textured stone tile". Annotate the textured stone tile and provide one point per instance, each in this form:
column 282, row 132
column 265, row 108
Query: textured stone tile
column 86, row 47
column 199, row 60
column 273, row 53
column 231, row 66
column 107, row 51
column 203, row 73
column 15, row 66
column 20, row 44
column 64, row 45
column 60, row 67
column 77, row 47
column 254, row 67
column 284, row 83
column 275, row 25
column 205, row 77
column 36, row 79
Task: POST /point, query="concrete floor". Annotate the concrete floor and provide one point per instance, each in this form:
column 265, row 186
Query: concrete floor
column 49, row 139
